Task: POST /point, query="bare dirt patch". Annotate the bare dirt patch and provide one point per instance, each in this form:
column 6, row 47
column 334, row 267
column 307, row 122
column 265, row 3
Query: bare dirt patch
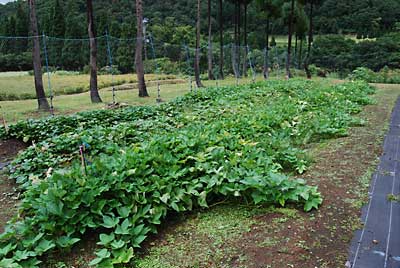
column 8, row 196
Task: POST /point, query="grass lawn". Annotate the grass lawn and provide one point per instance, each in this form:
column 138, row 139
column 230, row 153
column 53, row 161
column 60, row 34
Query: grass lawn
column 281, row 40
column 19, row 85
column 66, row 104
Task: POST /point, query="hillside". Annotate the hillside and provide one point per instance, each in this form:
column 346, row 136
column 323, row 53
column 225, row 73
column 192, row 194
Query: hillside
column 365, row 18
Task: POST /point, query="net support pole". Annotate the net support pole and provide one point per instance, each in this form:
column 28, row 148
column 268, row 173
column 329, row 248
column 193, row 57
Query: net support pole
column 188, row 63
column 158, row 100
column 110, row 60
column 251, row 64
column 48, row 73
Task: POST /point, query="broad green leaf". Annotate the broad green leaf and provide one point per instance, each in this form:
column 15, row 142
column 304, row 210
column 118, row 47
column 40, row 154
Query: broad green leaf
column 23, row 255
column 175, row 206
column 5, row 250
column 65, row 241
column 30, row 242
column 109, row 222
column 43, row 246
column 103, row 253
column 123, row 228
column 106, row 239
column 9, row 263
column 165, row 197
column 117, row 244
column 138, row 240
column 138, row 229
column 257, row 197
column 55, row 207
column 312, row 203
column 122, row 256
column 123, row 211
column 95, row 261
column 202, row 199
column 305, row 194
column 31, row 263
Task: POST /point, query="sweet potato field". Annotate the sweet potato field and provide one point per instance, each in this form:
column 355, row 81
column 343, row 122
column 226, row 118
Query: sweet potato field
column 118, row 173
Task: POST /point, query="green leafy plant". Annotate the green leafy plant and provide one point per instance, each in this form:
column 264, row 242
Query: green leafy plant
column 143, row 163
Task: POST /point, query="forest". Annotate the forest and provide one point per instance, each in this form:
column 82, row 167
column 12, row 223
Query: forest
column 172, row 26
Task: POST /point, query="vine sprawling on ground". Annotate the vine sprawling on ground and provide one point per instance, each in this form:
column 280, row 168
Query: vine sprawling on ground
column 232, row 142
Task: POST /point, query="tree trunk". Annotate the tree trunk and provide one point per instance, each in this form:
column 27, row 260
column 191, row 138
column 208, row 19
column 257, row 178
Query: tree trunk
column 94, row 93
column 43, row 104
column 289, row 48
column 295, row 45
column 300, row 53
column 197, row 55
column 245, row 41
column 221, row 42
column 210, row 51
column 235, row 45
column 266, row 59
column 310, row 40
column 239, row 37
column 139, row 50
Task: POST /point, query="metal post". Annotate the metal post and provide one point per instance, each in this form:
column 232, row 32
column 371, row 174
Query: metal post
column 251, row 65
column 48, row 74
column 157, row 68
column 110, row 59
column 188, row 63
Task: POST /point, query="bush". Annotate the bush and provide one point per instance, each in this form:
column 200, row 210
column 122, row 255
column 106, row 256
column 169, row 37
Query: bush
column 161, row 65
column 335, row 52
column 109, row 70
column 16, row 62
column 385, row 75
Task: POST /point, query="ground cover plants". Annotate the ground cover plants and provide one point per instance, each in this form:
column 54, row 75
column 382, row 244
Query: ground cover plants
column 142, row 163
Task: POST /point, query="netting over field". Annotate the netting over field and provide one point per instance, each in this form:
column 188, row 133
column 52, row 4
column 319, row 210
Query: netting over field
column 65, row 65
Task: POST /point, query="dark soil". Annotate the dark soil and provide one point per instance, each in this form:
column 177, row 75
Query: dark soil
column 8, row 196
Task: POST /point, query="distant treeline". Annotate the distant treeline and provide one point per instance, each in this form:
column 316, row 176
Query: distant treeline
column 172, row 26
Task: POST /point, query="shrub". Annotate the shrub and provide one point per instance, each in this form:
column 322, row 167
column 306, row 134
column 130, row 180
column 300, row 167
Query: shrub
column 383, row 76
column 335, row 52
column 161, row 65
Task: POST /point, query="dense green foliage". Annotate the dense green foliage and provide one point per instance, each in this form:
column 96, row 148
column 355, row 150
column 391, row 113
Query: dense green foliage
column 338, row 53
column 172, row 27
column 384, row 76
column 364, row 18
column 233, row 142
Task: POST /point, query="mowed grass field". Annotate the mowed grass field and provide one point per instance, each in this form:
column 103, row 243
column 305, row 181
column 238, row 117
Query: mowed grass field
column 20, row 85
column 12, row 111
column 282, row 40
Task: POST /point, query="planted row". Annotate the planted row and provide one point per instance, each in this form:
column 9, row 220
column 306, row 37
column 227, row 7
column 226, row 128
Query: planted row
column 230, row 143
column 124, row 196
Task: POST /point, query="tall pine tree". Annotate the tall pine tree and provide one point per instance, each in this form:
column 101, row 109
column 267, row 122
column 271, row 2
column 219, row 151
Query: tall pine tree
column 57, row 30
column 21, row 28
column 75, row 53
